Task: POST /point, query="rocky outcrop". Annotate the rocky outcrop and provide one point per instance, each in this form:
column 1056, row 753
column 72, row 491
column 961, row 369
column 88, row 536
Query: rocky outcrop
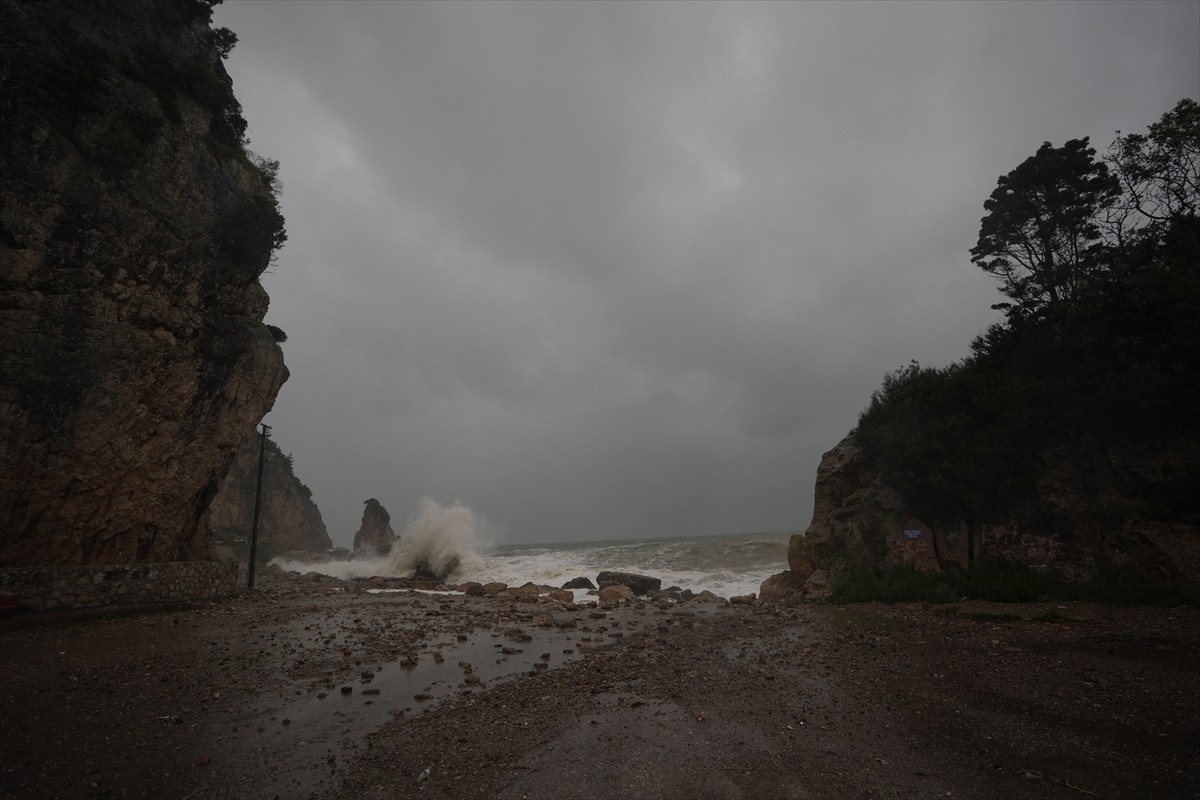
column 1096, row 506
column 133, row 228
column 289, row 521
column 375, row 536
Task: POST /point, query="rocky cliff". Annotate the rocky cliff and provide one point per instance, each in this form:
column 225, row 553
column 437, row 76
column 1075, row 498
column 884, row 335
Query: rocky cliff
column 1117, row 506
column 289, row 521
column 375, row 536
column 134, row 226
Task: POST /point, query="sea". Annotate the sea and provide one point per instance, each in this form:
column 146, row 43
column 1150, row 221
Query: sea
column 454, row 541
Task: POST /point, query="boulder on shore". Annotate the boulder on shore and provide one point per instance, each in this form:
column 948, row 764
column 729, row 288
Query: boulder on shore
column 640, row 584
column 780, row 586
column 614, row 594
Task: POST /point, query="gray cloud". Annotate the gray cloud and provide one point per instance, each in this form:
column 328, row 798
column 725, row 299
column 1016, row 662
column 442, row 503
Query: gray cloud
column 608, row 269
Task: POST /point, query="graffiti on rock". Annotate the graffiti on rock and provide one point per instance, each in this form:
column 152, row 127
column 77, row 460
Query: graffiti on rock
column 1012, row 543
column 908, row 551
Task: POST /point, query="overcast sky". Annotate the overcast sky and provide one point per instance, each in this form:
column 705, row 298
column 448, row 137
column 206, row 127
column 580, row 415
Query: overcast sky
column 617, row 270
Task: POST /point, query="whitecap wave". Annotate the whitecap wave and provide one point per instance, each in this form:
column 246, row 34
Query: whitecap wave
column 441, row 541
column 452, row 541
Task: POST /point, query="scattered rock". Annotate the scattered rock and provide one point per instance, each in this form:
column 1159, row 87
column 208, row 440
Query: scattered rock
column 523, row 592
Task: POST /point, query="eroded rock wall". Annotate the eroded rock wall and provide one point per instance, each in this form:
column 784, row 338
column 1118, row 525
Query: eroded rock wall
column 133, row 228
column 1111, row 505
column 289, row 521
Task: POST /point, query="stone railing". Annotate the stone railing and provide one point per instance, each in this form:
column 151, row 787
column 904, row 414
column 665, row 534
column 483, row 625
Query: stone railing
column 102, row 585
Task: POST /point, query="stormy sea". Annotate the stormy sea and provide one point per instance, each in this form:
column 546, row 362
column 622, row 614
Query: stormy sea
column 455, row 542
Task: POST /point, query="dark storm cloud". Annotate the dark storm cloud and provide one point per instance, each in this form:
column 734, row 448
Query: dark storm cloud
column 607, row 269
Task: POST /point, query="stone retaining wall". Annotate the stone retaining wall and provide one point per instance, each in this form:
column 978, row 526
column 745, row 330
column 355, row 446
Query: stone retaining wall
column 99, row 585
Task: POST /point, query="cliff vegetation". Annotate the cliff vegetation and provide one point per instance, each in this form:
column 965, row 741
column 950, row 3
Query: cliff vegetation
column 1064, row 450
column 134, row 225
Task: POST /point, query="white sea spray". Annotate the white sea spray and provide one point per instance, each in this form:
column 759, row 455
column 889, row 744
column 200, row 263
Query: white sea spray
column 453, row 540
column 444, row 540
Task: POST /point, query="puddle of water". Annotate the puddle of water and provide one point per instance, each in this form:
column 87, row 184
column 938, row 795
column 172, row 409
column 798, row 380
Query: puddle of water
column 320, row 730
column 304, row 739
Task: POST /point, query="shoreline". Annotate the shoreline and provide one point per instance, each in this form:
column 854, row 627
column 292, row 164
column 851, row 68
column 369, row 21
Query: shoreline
column 699, row 700
column 727, row 565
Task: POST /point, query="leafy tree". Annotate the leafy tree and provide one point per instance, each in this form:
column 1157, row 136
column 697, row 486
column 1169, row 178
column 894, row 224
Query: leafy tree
column 224, row 40
column 1041, row 235
column 1099, row 347
column 1160, row 170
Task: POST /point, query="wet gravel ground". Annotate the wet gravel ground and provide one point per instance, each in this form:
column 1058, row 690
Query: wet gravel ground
column 316, row 690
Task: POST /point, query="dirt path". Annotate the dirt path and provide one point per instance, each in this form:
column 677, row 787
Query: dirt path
column 302, row 692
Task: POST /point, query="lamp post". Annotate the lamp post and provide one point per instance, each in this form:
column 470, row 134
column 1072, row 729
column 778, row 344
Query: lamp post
column 262, row 448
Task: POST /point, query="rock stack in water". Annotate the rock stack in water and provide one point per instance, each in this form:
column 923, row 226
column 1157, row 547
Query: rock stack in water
column 134, row 226
column 375, row 536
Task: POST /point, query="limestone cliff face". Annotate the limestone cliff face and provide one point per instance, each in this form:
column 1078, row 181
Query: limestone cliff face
column 289, row 520
column 1117, row 505
column 375, row 536
column 134, row 226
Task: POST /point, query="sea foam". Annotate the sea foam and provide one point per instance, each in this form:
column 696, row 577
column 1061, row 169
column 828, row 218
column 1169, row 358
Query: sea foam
column 454, row 541
column 443, row 540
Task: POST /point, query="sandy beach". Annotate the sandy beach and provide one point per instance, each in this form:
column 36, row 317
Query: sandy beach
column 310, row 688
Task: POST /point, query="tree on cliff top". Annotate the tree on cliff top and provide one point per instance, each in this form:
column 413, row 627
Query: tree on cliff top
column 1100, row 344
column 1160, row 169
column 1041, row 236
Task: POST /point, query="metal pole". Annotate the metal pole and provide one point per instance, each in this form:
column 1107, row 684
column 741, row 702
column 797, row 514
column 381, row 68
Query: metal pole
column 262, row 448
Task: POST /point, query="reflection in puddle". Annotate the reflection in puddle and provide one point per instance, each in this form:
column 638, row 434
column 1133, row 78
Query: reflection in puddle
column 316, row 730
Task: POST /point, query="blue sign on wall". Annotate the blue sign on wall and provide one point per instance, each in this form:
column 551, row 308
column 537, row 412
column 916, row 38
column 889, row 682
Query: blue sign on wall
column 912, row 534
